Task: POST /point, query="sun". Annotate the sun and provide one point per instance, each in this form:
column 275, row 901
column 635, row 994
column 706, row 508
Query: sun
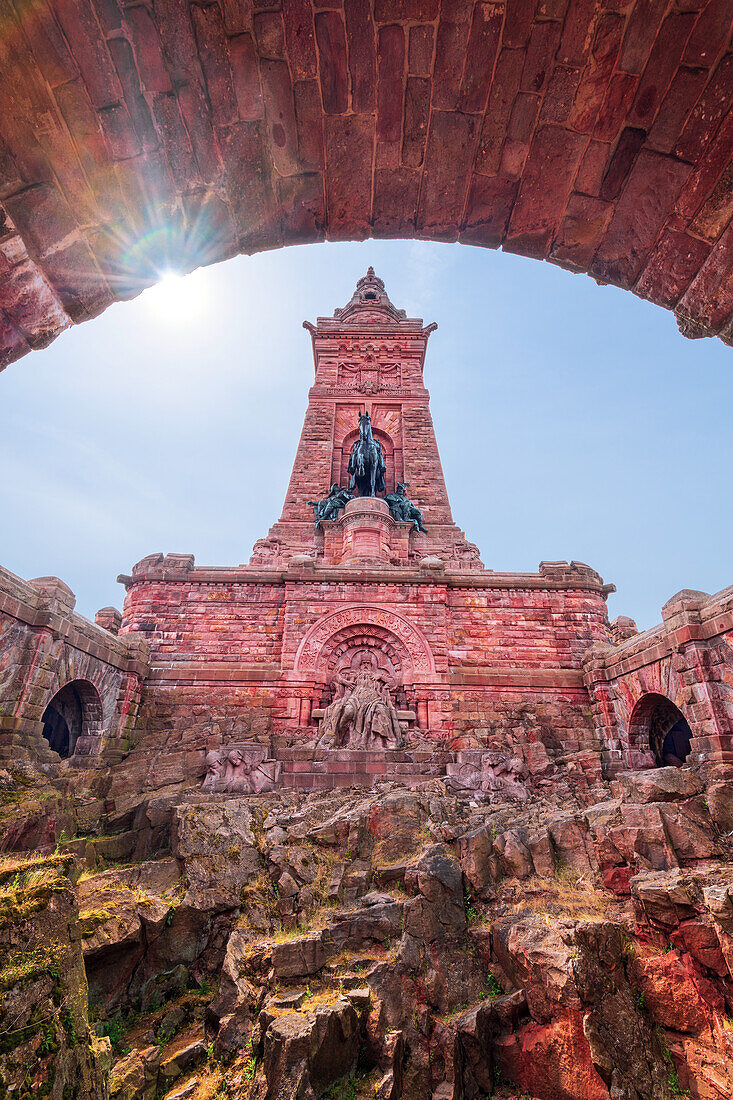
column 177, row 298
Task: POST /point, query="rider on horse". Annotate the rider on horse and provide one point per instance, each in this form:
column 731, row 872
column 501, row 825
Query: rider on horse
column 366, row 465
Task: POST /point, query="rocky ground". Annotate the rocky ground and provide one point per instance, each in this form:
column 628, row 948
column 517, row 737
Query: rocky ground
column 392, row 942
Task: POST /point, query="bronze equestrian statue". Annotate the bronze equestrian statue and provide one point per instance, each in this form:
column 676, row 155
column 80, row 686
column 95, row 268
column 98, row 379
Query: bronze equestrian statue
column 366, row 465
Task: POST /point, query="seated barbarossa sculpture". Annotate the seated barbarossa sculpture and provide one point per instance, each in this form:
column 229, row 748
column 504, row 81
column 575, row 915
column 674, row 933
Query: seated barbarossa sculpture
column 362, row 716
column 402, row 508
column 366, row 464
column 330, row 506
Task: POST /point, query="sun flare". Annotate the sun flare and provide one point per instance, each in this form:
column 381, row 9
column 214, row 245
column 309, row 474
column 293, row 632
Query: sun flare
column 176, row 298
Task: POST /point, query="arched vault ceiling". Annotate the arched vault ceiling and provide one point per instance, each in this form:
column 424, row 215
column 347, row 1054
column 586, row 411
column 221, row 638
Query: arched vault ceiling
column 136, row 136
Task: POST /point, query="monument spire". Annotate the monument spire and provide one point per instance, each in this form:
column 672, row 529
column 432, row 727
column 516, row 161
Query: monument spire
column 369, row 295
column 369, row 358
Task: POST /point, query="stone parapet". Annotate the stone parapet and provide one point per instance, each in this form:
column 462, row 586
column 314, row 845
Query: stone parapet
column 555, row 576
column 48, row 604
column 45, row 646
column 688, row 660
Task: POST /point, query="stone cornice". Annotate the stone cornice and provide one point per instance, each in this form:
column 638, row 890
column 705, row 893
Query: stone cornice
column 552, row 576
column 43, row 609
column 230, row 670
column 688, row 617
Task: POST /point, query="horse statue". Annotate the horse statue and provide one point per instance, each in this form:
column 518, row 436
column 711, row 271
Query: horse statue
column 366, row 465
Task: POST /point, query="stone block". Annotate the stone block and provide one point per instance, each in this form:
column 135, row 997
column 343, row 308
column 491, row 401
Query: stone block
column 659, row 785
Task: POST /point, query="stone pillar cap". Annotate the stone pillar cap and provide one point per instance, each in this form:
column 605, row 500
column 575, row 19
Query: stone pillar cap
column 366, row 504
column 53, row 589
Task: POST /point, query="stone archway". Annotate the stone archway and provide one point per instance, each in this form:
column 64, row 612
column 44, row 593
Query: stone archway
column 656, row 725
column 135, row 139
column 74, row 713
column 342, row 454
column 365, row 627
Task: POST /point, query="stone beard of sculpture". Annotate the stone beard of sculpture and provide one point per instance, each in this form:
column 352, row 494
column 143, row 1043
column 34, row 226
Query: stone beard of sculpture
column 366, row 464
column 402, row 508
column 362, row 716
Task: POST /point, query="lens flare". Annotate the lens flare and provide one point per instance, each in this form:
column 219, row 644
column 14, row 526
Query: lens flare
column 176, row 298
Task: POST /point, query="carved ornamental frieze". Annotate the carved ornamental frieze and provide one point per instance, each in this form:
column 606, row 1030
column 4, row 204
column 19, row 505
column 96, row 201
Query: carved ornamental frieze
column 418, row 662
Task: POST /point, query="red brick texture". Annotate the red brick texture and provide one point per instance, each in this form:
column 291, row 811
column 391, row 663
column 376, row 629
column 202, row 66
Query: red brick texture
column 368, row 357
column 688, row 659
column 595, row 135
column 484, row 658
column 44, row 646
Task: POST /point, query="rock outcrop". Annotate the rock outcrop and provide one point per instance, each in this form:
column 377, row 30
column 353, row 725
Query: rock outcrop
column 396, row 942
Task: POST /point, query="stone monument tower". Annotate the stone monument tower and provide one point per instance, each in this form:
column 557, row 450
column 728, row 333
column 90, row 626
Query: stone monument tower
column 369, row 359
column 365, row 633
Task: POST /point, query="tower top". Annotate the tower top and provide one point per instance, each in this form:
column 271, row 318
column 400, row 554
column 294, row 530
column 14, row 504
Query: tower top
column 368, row 358
column 369, row 297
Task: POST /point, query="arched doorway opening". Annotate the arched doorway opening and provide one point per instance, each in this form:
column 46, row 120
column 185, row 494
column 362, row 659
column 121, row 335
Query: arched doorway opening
column 657, row 725
column 74, row 711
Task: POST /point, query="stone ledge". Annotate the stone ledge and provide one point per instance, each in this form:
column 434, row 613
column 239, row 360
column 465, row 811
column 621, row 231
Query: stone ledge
column 36, row 606
column 393, row 575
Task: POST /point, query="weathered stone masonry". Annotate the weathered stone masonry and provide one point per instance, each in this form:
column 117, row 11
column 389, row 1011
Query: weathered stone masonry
column 134, row 137
column 44, row 647
column 520, row 664
column 688, row 659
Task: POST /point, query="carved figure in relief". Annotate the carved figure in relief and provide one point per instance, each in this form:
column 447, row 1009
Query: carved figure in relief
column 265, row 551
column 498, row 777
column 330, row 506
column 402, row 508
column 362, row 716
column 367, row 467
column 240, row 771
column 468, row 555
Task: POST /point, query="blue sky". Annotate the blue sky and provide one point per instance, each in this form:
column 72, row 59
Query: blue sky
column 573, row 421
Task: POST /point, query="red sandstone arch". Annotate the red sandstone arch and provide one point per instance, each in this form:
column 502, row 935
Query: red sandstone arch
column 650, row 723
column 359, row 638
column 408, row 645
column 77, row 708
column 136, row 137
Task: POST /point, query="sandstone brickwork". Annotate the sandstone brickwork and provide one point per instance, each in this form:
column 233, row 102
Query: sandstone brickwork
column 687, row 659
column 136, row 137
column 476, row 659
column 44, row 646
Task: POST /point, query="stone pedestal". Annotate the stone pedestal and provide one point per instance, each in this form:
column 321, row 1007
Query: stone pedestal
column 366, row 533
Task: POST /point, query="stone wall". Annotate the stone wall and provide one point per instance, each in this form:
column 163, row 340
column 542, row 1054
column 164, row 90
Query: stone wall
column 483, row 659
column 595, row 135
column 368, row 357
column 45, row 646
column 687, row 659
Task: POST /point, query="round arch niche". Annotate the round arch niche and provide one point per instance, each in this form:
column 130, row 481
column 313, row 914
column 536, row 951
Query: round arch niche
column 73, row 712
column 392, row 457
column 658, row 726
column 365, row 627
